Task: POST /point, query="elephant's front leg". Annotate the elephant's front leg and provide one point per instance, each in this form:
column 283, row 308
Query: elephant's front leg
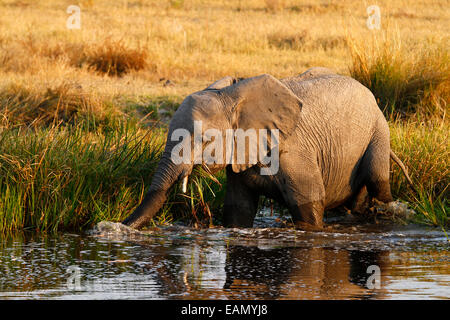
column 241, row 202
column 304, row 194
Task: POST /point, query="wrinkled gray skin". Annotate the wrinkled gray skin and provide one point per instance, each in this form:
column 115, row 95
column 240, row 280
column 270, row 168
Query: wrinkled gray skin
column 334, row 146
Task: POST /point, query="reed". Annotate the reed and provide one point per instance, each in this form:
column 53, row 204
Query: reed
column 68, row 178
column 423, row 147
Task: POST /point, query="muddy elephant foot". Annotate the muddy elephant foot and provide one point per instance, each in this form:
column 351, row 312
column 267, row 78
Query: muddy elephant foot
column 304, row 226
column 361, row 204
column 308, row 216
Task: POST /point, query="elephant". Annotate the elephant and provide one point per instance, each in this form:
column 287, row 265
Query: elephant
column 333, row 147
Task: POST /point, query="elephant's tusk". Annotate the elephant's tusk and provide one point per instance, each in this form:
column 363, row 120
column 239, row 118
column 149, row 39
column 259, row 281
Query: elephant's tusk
column 184, row 184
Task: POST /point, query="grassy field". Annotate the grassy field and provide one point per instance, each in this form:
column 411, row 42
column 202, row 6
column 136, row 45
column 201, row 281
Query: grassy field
column 83, row 111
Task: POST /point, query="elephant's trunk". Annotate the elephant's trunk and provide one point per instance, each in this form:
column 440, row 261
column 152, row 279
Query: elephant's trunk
column 166, row 175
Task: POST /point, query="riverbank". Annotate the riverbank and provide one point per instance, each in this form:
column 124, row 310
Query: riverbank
column 71, row 176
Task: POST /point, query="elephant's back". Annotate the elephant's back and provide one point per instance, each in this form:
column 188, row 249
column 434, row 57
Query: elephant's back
column 332, row 94
column 338, row 119
column 338, row 105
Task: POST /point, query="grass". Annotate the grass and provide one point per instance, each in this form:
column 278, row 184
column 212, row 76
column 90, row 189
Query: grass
column 113, row 58
column 403, row 81
column 75, row 104
column 423, row 146
column 67, row 178
column 22, row 105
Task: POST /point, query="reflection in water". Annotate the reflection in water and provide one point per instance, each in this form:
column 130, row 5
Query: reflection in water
column 301, row 273
column 226, row 264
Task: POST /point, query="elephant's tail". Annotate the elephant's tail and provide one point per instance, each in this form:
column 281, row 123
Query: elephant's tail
column 405, row 171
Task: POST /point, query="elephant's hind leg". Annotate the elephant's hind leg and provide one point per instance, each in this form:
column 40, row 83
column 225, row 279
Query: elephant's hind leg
column 376, row 165
column 361, row 202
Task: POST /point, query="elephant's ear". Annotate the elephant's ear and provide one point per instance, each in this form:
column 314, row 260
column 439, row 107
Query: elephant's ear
column 263, row 102
column 222, row 83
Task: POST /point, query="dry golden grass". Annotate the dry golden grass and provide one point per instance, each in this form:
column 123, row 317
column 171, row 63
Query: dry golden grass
column 113, row 58
column 65, row 102
column 403, row 81
column 195, row 42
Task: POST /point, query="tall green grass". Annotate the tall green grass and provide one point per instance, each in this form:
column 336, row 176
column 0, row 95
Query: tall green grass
column 69, row 178
column 423, row 147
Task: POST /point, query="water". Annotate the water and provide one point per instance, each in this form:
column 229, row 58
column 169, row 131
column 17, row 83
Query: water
column 176, row 262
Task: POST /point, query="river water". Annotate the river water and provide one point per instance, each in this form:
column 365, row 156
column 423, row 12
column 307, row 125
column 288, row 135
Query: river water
column 373, row 261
